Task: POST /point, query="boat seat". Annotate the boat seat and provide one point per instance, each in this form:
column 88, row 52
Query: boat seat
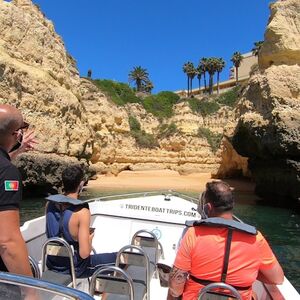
column 218, row 291
column 117, row 285
column 57, row 277
column 147, row 240
column 61, row 248
column 136, row 263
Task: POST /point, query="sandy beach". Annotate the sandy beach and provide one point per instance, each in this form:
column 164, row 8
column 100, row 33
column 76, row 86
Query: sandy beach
column 162, row 180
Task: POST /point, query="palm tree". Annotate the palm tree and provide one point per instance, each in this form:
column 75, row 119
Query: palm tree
column 148, row 86
column 192, row 72
column 256, row 48
column 211, row 67
column 237, row 58
column 140, row 76
column 203, row 63
column 199, row 75
column 186, row 68
column 220, row 64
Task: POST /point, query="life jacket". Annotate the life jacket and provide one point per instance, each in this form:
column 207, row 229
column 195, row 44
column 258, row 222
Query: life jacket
column 57, row 225
column 231, row 225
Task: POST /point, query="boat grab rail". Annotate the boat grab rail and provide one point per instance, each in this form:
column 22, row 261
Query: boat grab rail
column 115, row 270
column 219, row 285
column 43, row 285
column 144, row 194
column 36, row 272
column 140, row 251
column 61, row 241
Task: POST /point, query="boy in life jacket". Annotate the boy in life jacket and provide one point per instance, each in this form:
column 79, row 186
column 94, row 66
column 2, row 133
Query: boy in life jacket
column 219, row 249
column 69, row 218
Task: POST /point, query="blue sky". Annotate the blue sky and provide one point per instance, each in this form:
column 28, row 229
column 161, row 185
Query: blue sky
column 112, row 36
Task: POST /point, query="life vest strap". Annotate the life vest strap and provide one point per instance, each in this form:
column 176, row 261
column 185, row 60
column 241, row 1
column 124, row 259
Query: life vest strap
column 206, row 282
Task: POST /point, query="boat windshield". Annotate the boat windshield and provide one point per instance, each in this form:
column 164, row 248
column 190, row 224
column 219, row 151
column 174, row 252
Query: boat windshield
column 22, row 287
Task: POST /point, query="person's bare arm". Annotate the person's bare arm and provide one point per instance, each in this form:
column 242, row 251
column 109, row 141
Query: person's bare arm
column 28, row 143
column 12, row 245
column 84, row 236
column 176, row 283
column 274, row 275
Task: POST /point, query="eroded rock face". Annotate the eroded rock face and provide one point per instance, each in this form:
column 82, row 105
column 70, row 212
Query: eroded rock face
column 40, row 78
column 231, row 163
column 282, row 39
column 42, row 173
column 268, row 131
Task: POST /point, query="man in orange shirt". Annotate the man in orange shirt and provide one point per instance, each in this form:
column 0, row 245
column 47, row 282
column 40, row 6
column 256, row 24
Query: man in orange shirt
column 201, row 260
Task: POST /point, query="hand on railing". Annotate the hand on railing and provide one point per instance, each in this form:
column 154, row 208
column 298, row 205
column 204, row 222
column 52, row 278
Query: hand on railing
column 31, row 294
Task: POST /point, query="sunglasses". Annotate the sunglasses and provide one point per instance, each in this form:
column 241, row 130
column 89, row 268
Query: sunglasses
column 23, row 128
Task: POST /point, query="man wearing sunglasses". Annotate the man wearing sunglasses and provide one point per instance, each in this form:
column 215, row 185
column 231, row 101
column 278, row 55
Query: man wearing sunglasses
column 13, row 251
column 219, row 249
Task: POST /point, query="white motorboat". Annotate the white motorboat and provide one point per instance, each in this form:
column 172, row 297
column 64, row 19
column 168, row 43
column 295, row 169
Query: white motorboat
column 151, row 220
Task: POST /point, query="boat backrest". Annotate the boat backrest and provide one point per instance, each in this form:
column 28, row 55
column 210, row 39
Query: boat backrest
column 218, row 291
column 135, row 261
column 58, row 247
column 147, row 240
column 112, row 280
column 36, row 272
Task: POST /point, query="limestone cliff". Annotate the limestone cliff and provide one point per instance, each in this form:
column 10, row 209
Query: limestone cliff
column 268, row 131
column 74, row 121
column 39, row 77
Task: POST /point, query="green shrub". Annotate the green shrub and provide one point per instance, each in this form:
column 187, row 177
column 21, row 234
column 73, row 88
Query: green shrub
column 213, row 139
column 204, row 106
column 145, row 140
column 229, row 98
column 167, row 130
column 120, row 93
column 161, row 105
column 142, row 139
column 134, row 124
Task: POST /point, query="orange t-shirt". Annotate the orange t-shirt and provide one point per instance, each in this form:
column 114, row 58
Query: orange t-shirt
column 201, row 253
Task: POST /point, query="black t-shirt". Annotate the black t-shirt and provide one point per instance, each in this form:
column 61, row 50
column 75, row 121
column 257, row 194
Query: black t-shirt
column 10, row 183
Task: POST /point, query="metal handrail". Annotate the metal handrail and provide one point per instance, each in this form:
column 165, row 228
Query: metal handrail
column 116, row 270
column 34, row 265
column 70, row 254
column 141, row 251
column 144, row 194
column 43, row 285
column 219, row 285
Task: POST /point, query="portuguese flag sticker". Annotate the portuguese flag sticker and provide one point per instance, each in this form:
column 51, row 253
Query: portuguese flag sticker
column 11, row 185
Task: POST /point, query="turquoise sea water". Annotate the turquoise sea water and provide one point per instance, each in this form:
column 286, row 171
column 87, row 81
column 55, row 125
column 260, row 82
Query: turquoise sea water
column 280, row 226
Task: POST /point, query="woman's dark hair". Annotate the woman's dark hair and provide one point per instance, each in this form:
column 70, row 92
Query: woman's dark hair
column 219, row 194
column 71, row 178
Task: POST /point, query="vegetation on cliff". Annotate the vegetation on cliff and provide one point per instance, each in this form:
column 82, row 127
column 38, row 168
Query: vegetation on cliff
column 142, row 138
column 209, row 105
column 161, row 105
column 213, row 139
column 120, row 93
column 167, row 130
